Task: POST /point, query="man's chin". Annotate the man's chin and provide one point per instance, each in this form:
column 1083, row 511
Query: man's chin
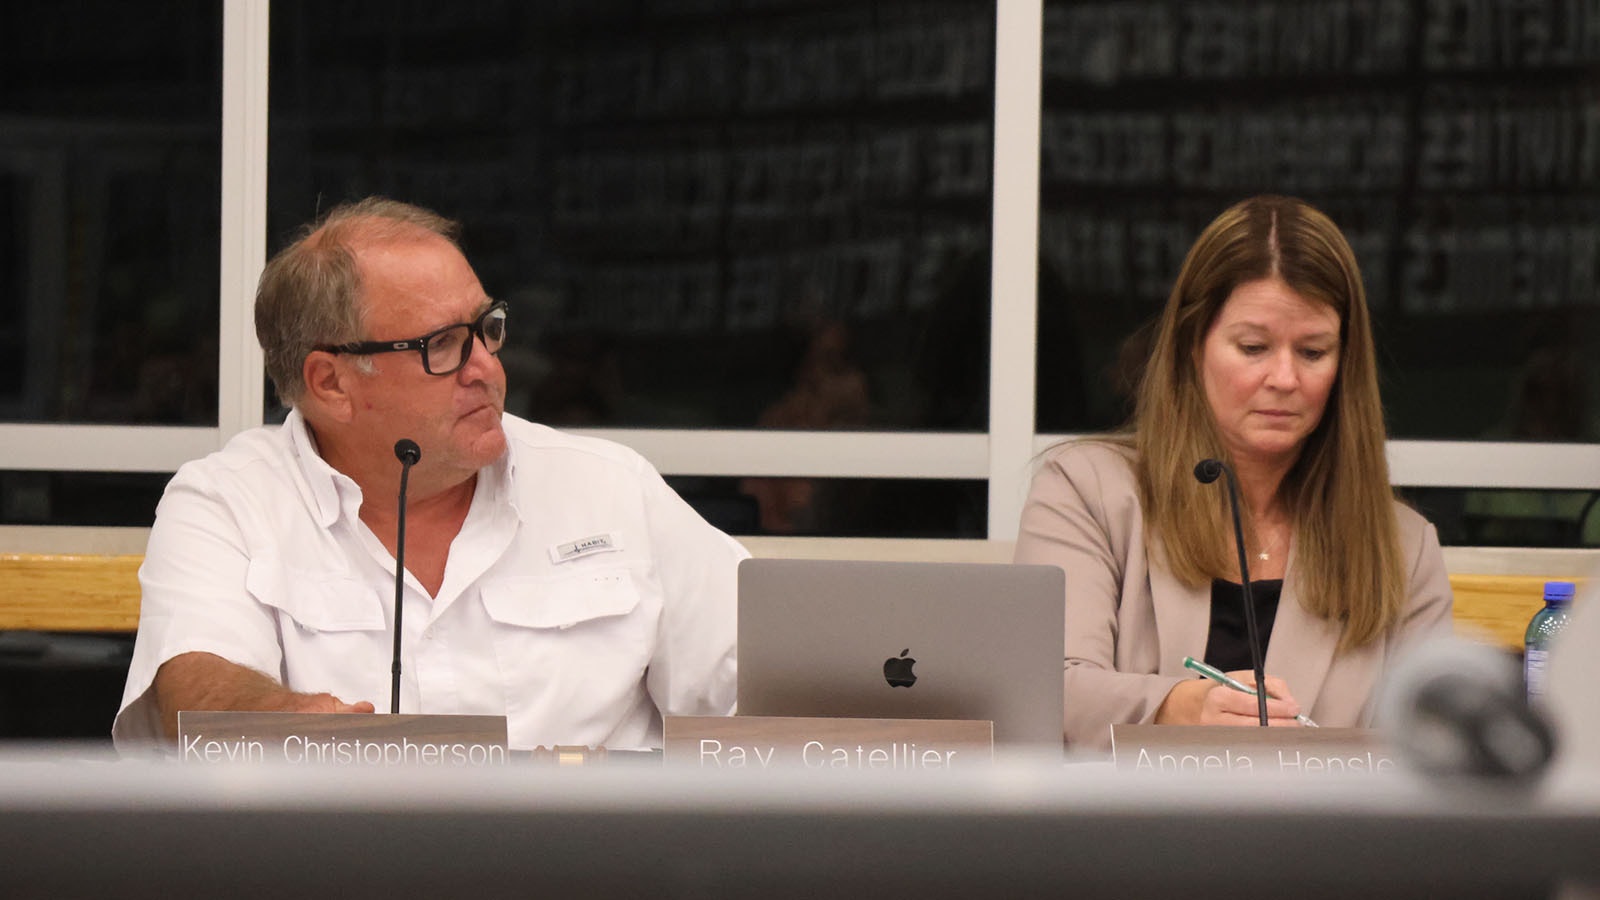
column 489, row 445
column 492, row 447
column 478, row 443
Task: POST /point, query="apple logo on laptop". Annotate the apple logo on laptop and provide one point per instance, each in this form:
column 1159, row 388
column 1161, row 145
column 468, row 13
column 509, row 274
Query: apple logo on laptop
column 897, row 670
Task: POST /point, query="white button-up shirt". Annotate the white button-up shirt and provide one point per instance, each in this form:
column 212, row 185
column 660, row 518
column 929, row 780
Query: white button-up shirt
column 582, row 599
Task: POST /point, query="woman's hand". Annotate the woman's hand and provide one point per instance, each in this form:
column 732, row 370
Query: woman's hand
column 1201, row 701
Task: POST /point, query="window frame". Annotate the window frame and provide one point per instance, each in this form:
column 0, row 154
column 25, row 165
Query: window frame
column 1002, row 456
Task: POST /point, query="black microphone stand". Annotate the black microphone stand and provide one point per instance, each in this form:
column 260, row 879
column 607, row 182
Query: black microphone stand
column 1207, row 471
column 407, row 451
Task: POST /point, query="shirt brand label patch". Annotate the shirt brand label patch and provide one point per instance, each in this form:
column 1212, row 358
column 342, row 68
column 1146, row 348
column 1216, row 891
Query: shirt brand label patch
column 600, row 543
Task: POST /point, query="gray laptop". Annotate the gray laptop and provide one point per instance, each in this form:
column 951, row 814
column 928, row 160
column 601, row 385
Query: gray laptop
column 906, row 641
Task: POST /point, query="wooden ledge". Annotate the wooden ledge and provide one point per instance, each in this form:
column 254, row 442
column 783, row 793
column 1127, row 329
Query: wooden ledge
column 58, row 592
column 92, row 592
column 1496, row 608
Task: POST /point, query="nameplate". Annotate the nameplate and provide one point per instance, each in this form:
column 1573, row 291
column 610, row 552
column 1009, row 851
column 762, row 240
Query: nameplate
column 341, row 739
column 769, row 742
column 1249, row 751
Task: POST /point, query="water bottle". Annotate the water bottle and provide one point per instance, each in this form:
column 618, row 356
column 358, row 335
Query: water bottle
column 1546, row 625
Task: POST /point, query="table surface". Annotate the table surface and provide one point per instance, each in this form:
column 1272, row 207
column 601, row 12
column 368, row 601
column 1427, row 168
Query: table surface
column 71, row 828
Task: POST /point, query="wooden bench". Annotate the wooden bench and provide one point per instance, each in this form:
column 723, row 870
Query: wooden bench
column 99, row 592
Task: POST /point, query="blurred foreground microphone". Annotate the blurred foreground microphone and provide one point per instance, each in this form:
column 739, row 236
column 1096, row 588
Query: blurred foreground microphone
column 407, row 451
column 1207, row 471
column 1453, row 707
column 1570, row 701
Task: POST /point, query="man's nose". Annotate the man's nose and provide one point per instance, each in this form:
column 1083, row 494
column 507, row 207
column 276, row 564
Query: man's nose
column 477, row 360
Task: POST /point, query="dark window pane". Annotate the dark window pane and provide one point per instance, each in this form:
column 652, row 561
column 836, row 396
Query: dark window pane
column 14, row 320
column 840, row 507
column 121, row 499
column 703, row 214
column 1493, row 517
column 1460, row 164
column 110, row 201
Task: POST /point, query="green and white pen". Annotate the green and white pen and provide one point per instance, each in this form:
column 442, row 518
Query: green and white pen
column 1221, row 677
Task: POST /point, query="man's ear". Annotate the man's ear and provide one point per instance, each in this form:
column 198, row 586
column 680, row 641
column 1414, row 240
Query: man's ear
column 326, row 387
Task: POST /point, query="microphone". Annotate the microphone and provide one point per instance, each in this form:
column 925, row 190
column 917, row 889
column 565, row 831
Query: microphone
column 1458, row 709
column 1206, row 471
column 407, row 451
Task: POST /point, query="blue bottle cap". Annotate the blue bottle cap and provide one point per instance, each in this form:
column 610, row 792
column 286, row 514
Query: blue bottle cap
column 1559, row 590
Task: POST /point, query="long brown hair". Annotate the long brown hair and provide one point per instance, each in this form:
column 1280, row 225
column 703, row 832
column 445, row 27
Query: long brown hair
column 1347, row 548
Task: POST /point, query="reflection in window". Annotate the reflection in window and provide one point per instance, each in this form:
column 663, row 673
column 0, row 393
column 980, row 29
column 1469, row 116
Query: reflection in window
column 110, row 192
column 707, row 214
column 14, row 319
column 1459, row 165
column 104, row 499
column 1486, row 517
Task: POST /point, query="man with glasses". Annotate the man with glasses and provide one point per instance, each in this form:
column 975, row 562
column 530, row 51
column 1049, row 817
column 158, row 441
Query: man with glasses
column 552, row 579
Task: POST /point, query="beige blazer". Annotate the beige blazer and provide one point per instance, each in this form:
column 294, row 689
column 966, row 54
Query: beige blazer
column 1130, row 623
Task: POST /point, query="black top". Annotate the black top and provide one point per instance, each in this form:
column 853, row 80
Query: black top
column 1228, row 644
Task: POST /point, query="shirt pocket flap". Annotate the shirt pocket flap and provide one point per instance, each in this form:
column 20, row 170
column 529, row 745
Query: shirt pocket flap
column 560, row 602
column 316, row 601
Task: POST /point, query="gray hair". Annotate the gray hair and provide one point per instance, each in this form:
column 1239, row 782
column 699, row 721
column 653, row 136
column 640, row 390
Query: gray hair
column 310, row 292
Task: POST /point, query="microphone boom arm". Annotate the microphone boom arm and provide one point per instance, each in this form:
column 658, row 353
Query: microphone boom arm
column 1206, row 472
column 407, row 451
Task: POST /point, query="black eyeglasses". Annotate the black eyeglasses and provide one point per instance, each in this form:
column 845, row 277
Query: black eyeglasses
column 443, row 351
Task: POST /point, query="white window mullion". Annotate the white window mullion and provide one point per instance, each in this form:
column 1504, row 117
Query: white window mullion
column 1019, row 35
column 1494, row 464
column 102, row 448
column 1474, row 464
column 806, row 454
column 244, row 212
column 813, row 454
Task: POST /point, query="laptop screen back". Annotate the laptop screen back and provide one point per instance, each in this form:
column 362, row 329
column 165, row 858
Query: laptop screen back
column 905, row 640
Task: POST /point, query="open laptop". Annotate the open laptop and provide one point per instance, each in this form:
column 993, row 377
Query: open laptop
column 905, row 640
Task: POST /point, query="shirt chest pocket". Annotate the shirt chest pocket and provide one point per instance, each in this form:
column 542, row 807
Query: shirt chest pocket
column 559, row 603
column 316, row 601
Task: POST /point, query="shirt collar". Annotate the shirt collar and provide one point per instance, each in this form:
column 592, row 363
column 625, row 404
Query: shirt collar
column 333, row 493
column 500, row 475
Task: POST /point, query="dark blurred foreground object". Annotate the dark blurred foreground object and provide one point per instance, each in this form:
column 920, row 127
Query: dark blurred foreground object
column 61, row 685
column 1454, row 708
column 1572, row 699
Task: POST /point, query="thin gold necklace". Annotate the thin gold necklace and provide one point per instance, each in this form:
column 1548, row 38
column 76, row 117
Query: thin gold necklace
column 1266, row 552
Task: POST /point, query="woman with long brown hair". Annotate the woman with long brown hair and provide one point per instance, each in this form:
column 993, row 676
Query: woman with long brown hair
column 1263, row 358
